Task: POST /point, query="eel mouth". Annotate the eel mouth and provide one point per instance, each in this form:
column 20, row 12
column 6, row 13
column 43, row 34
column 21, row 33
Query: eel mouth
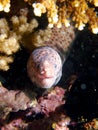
column 43, row 76
column 45, row 81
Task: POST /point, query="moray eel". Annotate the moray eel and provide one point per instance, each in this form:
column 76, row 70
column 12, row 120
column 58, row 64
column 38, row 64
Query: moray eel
column 44, row 67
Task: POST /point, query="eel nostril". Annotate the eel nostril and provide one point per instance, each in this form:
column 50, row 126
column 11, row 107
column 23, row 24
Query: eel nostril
column 42, row 72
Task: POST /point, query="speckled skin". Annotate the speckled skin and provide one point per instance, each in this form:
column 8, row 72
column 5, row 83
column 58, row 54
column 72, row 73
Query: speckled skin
column 44, row 67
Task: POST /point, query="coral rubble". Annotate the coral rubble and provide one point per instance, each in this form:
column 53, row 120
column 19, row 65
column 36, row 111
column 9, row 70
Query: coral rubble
column 13, row 101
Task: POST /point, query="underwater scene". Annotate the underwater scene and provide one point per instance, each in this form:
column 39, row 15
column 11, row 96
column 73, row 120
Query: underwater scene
column 48, row 64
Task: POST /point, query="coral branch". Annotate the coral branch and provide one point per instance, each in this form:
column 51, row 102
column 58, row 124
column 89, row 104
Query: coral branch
column 63, row 12
column 5, row 5
column 11, row 37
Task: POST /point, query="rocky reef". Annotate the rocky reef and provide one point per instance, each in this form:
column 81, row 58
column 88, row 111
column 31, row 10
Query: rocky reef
column 70, row 104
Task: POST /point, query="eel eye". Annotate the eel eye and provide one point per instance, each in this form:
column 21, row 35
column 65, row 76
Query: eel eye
column 38, row 66
column 55, row 66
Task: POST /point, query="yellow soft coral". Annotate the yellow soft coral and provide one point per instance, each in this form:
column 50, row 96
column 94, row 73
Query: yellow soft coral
column 93, row 20
column 64, row 11
column 4, row 62
column 11, row 37
column 5, row 5
column 8, row 39
column 91, row 125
